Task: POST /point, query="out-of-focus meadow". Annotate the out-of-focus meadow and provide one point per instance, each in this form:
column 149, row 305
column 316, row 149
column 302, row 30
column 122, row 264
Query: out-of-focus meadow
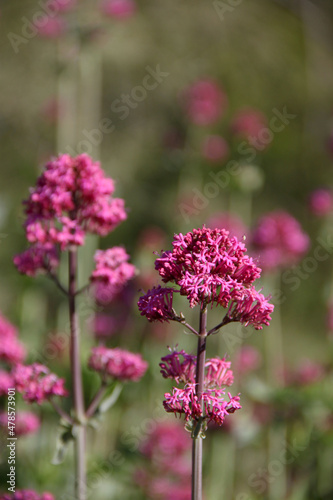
column 214, row 113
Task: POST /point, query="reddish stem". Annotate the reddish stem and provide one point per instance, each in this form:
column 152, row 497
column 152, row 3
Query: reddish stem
column 77, row 386
column 199, row 379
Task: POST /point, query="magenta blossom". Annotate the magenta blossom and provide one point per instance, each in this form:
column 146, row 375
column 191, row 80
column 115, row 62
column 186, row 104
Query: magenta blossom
column 117, row 363
column 205, row 102
column 26, row 495
column 118, row 9
column 321, row 202
column 248, row 123
column 215, row 148
column 37, row 258
column 156, row 304
column 103, row 325
column 112, row 269
column 218, row 372
column 6, row 382
column 185, row 401
column 52, row 27
column 72, row 197
column 11, row 350
column 247, row 359
column 25, row 422
column 279, row 240
column 37, row 384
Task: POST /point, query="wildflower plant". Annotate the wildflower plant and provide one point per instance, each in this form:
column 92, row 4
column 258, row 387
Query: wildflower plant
column 71, row 199
column 210, row 269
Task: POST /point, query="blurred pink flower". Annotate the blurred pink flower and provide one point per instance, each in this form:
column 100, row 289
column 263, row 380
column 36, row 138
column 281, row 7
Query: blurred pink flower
column 205, row 102
column 25, row 422
column 215, row 148
column 279, row 240
column 113, row 269
column 248, row 123
column 11, row 350
column 72, row 197
column 6, row 382
column 117, row 363
column 119, row 9
column 62, row 5
column 321, row 202
column 53, row 27
column 26, row 495
column 229, row 222
column 247, row 359
column 38, row 258
column 103, row 325
column 37, row 384
column 308, row 372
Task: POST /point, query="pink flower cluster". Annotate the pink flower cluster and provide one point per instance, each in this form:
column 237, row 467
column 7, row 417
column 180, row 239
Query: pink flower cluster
column 118, row 9
column 205, row 102
column 185, row 401
column 72, row 197
column 156, row 304
column 168, row 470
column 117, row 363
column 37, row 384
column 248, row 123
column 25, row 422
column 6, row 382
column 26, row 495
column 279, row 240
column 11, row 350
column 37, row 258
column 218, row 372
column 112, row 270
column 321, row 202
column 209, row 267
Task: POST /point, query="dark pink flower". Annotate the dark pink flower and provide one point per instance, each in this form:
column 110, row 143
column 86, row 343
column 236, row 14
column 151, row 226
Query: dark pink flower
column 25, row 423
column 215, row 148
column 117, row 363
column 118, row 9
column 37, row 384
column 248, row 123
column 11, row 350
column 229, row 222
column 113, row 269
column 166, row 440
column 72, row 197
column 185, row 401
column 156, row 304
column 26, row 495
column 6, row 382
column 279, row 240
column 321, row 202
column 52, row 27
column 205, row 102
column 308, row 372
column 218, row 373
column 251, row 308
column 208, row 266
column 37, row 258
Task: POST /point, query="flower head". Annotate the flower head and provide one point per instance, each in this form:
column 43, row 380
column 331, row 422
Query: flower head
column 279, row 240
column 156, row 304
column 72, row 197
column 25, row 422
column 117, row 363
column 118, row 9
column 208, row 266
column 205, row 102
column 112, row 269
column 6, row 382
column 26, row 495
column 37, row 384
column 215, row 148
column 11, row 350
column 52, row 27
column 37, row 258
column 321, row 202
column 248, row 123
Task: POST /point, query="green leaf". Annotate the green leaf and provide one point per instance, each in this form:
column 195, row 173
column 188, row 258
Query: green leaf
column 63, row 441
column 107, row 403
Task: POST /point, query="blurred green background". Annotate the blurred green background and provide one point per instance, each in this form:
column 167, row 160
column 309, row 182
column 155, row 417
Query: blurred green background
column 55, row 91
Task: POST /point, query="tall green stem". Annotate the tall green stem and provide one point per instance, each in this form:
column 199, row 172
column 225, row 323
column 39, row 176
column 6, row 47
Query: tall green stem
column 77, row 386
column 200, row 379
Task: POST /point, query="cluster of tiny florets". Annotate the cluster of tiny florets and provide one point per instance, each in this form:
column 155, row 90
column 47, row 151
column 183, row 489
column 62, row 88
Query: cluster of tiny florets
column 112, row 270
column 11, row 350
column 37, row 384
column 156, row 304
column 117, row 363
